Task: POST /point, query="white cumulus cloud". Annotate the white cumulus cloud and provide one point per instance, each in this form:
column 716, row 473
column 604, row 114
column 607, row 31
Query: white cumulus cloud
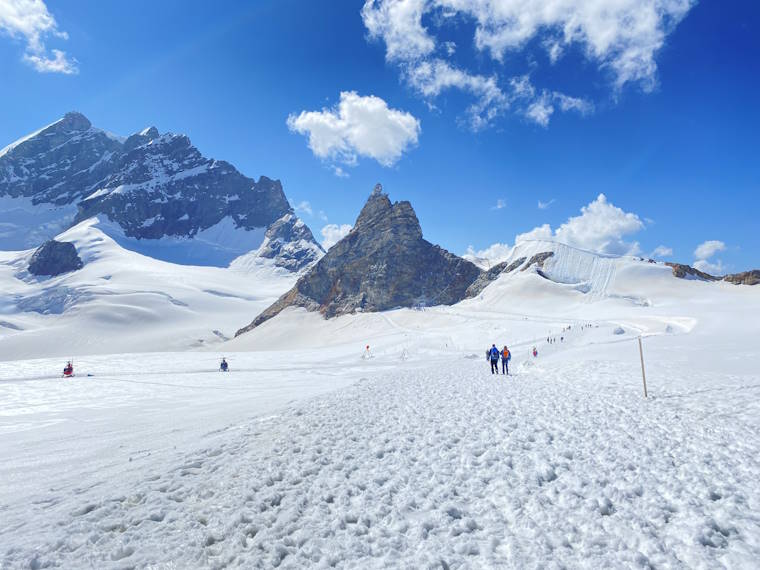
column 707, row 249
column 601, row 227
column 489, row 256
column 31, row 20
column 358, row 126
column 710, row 267
column 333, row 233
column 661, row 251
column 621, row 37
column 704, row 252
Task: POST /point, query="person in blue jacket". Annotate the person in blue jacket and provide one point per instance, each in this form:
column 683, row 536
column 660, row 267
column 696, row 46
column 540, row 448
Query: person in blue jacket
column 493, row 356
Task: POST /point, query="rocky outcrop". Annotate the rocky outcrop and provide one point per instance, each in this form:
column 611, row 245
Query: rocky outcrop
column 745, row 278
column 538, row 260
column 492, row 274
column 55, row 258
column 58, row 164
column 152, row 185
column 383, row 263
column 290, row 243
column 683, row 271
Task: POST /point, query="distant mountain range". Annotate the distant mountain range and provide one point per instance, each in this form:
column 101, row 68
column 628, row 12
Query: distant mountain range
column 153, row 193
column 89, row 219
column 384, row 263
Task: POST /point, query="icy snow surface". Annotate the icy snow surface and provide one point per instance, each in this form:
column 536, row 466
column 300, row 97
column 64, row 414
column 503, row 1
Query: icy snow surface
column 316, row 452
column 122, row 301
column 24, row 224
column 215, row 246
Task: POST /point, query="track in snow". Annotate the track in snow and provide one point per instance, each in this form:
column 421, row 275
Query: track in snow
column 437, row 467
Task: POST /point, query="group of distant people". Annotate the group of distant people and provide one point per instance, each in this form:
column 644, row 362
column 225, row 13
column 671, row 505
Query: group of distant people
column 561, row 338
column 68, row 370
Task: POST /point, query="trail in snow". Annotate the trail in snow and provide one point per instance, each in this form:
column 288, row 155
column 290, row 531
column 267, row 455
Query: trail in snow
column 436, row 466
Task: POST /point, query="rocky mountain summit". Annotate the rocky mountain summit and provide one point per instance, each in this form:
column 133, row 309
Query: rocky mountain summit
column 682, row 271
column 383, row 263
column 744, row 278
column 152, row 186
column 55, row 258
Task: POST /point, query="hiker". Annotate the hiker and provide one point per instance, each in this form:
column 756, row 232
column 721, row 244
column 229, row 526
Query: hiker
column 68, row 370
column 535, row 352
column 506, row 356
column 493, row 356
column 224, row 367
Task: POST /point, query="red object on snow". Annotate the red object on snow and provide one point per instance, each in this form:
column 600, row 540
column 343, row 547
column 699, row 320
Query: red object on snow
column 68, row 370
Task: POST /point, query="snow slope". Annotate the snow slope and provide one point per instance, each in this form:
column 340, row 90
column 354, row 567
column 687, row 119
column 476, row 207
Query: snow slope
column 24, row 224
column 315, row 452
column 123, row 301
column 422, row 463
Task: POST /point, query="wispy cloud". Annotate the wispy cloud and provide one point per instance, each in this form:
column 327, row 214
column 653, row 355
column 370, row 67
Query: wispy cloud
column 545, row 205
column 339, row 172
column 31, row 20
column 622, row 40
column 500, row 204
column 333, row 233
column 305, row 207
column 661, row 251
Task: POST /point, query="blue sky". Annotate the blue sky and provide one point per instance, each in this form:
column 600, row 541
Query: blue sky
column 460, row 112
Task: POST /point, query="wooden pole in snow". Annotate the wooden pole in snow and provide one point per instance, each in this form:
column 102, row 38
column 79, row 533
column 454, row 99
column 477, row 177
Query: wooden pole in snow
column 643, row 374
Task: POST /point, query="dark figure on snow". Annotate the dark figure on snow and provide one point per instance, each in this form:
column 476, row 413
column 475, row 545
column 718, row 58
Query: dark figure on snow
column 68, row 370
column 506, row 356
column 493, row 356
column 224, row 366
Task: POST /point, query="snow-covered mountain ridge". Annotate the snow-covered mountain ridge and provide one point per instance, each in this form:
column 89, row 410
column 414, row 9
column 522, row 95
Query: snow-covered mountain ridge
column 150, row 187
column 122, row 300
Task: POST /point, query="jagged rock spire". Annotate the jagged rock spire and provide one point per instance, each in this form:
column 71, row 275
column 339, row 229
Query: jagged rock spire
column 383, row 263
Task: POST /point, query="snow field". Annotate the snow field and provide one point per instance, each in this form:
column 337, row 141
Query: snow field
column 439, row 464
column 122, row 301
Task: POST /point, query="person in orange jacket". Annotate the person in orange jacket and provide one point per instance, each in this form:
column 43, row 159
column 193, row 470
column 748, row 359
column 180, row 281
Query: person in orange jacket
column 506, row 356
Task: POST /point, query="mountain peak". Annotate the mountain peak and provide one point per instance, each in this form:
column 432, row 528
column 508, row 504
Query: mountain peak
column 75, row 121
column 145, row 136
column 150, row 132
column 379, row 216
column 383, row 263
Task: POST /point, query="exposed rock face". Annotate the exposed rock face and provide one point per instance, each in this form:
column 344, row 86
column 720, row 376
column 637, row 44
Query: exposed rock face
column 59, row 163
column 744, row 278
column 151, row 185
column 290, row 243
column 683, row 271
column 54, row 258
column 538, row 260
column 492, row 274
column 381, row 264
